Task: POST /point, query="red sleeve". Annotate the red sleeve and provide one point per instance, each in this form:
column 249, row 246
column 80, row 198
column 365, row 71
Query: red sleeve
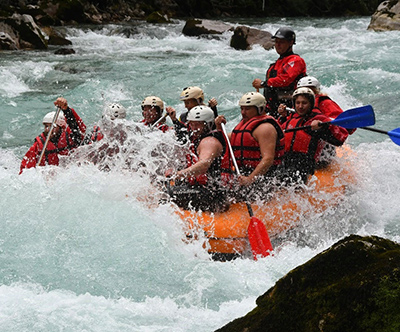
column 334, row 135
column 30, row 158
column 288, row 69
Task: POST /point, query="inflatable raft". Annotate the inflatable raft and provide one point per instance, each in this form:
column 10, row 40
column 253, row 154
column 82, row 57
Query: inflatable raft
column 225, row 234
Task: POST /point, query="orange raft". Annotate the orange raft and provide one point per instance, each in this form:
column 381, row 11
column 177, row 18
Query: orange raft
column 225, row 233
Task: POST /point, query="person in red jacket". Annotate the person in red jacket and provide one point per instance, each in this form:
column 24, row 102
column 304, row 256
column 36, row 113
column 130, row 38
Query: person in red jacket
column 282, row 76
column 152, row 109
column 67, row 134
column 303, row 147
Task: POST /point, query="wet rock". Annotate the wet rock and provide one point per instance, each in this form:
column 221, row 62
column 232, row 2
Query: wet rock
column 386, row 17
column 198, row 27
column 65, row 51
column 55, row 37
column 28, row 31
column 8, row 38
column 157, row 17
column 245, row 37
column 352, row 286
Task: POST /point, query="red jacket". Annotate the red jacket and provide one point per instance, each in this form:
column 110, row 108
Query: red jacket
column 327, row 106
column 68, row 140
column 286, row 71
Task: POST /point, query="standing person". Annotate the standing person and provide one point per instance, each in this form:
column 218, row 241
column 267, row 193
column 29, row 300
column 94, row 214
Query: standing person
column 200, row 182
column 303, row 147
column 192, row 96
column 153, row 108
column 258, row 146
column 67, row 134
column 282, row 76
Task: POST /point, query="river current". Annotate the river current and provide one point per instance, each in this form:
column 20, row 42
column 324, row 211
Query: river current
column 84, row 249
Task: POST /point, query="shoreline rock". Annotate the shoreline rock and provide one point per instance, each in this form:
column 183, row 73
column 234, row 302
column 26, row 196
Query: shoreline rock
column 352, row 286
column 386, row 17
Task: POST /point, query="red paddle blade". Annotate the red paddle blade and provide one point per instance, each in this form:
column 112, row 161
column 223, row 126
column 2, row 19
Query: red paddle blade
column 259, row 238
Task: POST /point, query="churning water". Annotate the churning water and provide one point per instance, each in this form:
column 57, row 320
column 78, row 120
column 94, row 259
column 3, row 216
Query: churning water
column 83, row 249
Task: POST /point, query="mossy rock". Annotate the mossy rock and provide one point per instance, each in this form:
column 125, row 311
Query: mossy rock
column 157, row 17
column 352, row 286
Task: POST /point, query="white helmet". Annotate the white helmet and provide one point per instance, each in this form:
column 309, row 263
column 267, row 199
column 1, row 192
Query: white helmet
column 253, row 99
column 192, row 92
column 307, row 92
column 114, row 111
column 202, row 113
column 48, row 118
column 309, row 81
column 155, row 102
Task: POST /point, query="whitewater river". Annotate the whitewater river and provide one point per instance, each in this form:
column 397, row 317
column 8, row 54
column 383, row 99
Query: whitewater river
column 87, row 250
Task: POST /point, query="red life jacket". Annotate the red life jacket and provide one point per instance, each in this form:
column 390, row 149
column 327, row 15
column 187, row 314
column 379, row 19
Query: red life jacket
column 247, row 150
column 97, row 135
column 311, row 143
column 64, row 145
column 214, row 171
column 161, row 126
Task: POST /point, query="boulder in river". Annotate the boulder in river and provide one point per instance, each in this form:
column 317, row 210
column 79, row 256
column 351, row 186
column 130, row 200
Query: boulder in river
column 245, row 37
column 352, row 286
column 386, row 17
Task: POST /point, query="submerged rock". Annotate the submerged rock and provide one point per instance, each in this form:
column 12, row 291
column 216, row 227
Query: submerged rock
column 386, row 17
column 352, row 286
column 245, row 37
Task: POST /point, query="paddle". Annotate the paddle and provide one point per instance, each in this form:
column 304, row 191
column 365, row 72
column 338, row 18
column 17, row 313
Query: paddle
column 158, row 121
column 353, row 118
column 393, row 134
column 49, row 135
column 257, row 233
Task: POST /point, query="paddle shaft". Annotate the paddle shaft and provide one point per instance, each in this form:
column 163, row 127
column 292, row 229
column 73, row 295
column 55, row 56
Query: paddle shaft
column 158, row 121
column 375, row 130
column 249, row 208
column 49, row 135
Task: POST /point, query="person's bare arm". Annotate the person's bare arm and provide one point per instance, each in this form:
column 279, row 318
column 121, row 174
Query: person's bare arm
column 208, row 149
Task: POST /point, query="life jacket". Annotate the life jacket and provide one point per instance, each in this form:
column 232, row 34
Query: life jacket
column 281, row 80
column 63, row 146
column 307, row 142
column 247, row 150
column 214, row 171
column 161, row 126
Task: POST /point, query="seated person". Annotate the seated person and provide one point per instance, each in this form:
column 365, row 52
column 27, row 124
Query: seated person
column 112, row 112
column 67, row 134
column 258, row 146
column 153, row 108
column 198, row 186
column 192, row 96
column 303, row 147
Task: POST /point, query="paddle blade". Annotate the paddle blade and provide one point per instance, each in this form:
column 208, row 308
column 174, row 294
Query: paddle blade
column 395, row 135
column 356, row 117
column 259, row 239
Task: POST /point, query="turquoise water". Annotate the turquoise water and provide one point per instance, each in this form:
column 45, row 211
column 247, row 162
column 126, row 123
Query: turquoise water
column 82, row 249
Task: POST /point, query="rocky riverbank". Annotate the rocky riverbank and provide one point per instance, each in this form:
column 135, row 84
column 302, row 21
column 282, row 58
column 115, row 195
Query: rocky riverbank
column 27, row 24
